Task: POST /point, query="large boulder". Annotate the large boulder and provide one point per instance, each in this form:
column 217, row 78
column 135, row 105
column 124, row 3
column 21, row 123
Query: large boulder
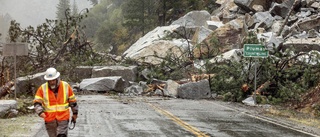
column 129, row 73
column 193, row 19
column 104, row 84
column 225, row 38
column 226, row 11
column 172, row 87
column 302, row 45
column 231, row 55
column 157, row 50
column 148, row 39
column 7, row 105
column 281, row 9
column 195, row 90
column 30, row 82
column 270, row 40
column 261, row 19
column 82, row 72
column 250, row 5
column 155, row 45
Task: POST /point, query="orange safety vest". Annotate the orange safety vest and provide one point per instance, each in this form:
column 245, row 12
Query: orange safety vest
column 55, row 107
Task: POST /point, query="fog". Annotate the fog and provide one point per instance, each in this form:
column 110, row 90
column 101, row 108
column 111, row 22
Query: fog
column 34, row 12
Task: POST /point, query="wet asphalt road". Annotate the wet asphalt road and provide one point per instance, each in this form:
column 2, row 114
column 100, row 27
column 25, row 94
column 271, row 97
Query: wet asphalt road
column 105, row 116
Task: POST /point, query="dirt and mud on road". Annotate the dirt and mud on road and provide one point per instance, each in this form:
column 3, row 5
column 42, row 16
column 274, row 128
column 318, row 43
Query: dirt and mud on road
column 103, row 116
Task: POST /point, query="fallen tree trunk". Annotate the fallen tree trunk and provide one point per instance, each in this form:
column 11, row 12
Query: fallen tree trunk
column 6, row 89
column 294, row 3
column 263, row 86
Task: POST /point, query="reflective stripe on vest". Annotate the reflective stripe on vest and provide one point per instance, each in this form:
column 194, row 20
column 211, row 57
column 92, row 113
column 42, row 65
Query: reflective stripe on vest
column 57, row 107
column 38, row 99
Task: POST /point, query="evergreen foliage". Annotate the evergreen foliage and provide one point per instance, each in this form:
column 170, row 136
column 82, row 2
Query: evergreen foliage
column 140, row 15
column 4, row 27
column 75, row 9
column 281, row 77
column 62, row 7
column 55, row 43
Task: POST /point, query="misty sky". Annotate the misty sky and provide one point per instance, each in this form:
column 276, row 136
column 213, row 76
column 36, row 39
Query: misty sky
column 34, row 12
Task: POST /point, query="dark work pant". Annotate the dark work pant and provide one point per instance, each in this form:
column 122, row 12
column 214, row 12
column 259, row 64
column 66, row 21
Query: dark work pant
column 55, row 128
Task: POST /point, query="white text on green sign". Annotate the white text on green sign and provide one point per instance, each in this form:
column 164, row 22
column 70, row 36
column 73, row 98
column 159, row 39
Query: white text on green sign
column 255, row 50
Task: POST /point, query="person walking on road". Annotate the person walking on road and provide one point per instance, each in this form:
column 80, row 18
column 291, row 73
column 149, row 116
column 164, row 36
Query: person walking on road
column 52, row 101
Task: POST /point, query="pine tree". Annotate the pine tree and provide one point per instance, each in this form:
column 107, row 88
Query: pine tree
column 4, row 26
column 62, row 8
column 74, row 8
column 140, row 15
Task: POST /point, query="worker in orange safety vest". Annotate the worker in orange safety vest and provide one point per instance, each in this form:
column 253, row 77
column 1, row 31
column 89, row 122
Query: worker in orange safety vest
column 52, row 101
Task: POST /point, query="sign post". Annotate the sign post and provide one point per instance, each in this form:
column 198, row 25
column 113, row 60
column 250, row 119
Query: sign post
column 15, row 49
column 258, row 51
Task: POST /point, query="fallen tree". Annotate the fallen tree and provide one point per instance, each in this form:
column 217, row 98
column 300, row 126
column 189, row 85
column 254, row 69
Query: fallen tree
column 5, row 89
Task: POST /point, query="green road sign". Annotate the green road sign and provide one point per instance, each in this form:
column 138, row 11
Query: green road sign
column 255, row 50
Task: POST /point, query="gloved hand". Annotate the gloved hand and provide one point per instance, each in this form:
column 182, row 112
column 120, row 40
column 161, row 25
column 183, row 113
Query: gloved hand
column 74, row 118
column 43, row 115
column 73, row 121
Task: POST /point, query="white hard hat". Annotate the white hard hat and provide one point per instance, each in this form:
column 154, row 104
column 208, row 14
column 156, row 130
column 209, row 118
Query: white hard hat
column 51, row 74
